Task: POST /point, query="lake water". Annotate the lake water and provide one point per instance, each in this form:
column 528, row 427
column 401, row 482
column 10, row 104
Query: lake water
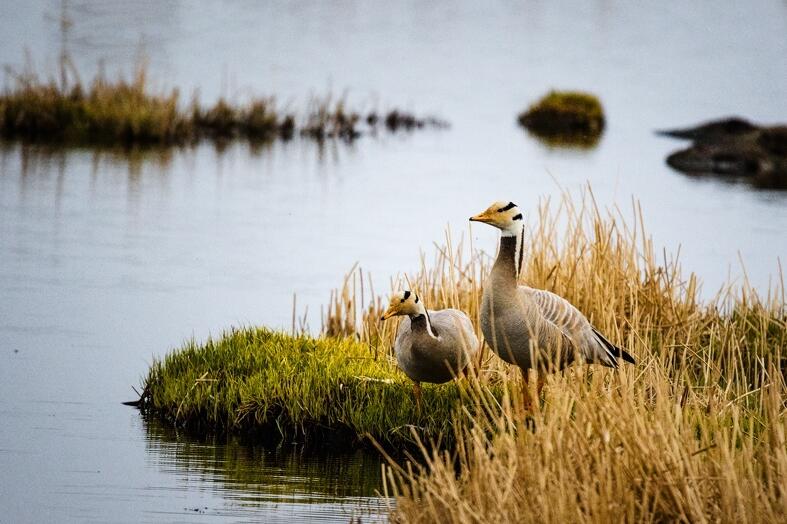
column 108, row 261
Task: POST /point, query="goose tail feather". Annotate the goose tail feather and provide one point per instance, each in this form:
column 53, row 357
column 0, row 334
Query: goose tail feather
column 613, row 351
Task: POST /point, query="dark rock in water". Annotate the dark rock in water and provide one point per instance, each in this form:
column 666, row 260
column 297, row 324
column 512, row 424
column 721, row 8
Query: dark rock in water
column 774, row 140
column 714, row 130
column 734, row 147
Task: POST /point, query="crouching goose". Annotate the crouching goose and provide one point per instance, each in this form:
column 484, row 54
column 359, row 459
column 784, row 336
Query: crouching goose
column 431, row 346
column 533, row 328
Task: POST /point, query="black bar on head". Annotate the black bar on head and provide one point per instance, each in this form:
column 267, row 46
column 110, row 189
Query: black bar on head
column 509, row 206
column 406, row 295
column 517, row 217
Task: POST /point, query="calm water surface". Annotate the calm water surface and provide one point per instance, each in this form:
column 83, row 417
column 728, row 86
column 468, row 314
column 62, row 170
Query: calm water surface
column 107, row 261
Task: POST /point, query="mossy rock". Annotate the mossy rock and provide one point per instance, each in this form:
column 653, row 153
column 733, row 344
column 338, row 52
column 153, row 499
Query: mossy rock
column 565, row 118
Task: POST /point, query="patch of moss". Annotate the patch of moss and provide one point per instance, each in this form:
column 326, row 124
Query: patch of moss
column 565, row 118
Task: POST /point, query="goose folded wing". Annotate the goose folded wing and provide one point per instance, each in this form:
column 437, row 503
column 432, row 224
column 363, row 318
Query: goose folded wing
column 574, row 326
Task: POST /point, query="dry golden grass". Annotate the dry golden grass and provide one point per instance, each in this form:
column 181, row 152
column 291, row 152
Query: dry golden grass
column 641, row 449
column 694, row 432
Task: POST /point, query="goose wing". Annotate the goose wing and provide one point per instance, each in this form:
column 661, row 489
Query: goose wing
column 573, row 325
column 459, row 323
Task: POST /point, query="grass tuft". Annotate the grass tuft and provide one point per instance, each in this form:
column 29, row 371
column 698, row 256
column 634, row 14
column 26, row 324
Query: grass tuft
column 565, row 118
column 120, row 112
column 275, row 385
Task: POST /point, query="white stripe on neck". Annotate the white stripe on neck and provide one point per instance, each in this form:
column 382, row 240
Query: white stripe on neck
column 422, row 311
column 429, row 325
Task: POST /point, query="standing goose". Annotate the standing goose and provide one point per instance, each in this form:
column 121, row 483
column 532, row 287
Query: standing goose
column 431, row 346
column 533, row 328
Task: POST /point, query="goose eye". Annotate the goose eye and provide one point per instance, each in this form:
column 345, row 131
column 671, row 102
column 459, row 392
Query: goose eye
column 401, row 301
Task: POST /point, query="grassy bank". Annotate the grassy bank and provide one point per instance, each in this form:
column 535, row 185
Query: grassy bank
column 275, row 386
column 128, row 112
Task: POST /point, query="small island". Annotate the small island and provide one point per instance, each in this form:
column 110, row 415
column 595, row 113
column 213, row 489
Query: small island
column 565, row 118
column 331, row 391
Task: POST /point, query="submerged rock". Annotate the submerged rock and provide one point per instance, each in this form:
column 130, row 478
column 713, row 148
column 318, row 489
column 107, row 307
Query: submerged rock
column 734, row 147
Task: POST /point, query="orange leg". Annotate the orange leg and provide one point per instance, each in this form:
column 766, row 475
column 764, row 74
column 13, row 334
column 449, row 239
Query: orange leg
column 418, row 394
column 526, row 398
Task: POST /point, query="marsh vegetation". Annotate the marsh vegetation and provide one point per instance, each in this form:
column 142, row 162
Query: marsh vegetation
column 128, row 112
column 694, row 432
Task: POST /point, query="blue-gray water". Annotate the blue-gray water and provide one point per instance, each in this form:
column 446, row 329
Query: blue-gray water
column 107, row 261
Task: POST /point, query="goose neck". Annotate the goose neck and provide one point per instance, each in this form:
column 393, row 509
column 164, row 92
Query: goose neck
column 510, row 255
column 421, row 322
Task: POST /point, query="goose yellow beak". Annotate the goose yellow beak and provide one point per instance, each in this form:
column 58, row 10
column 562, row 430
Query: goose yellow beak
column 389, row 313
column 480, row 217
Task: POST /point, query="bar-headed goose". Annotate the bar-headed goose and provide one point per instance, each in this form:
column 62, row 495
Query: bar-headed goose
column 533, row 328
column 431, row 346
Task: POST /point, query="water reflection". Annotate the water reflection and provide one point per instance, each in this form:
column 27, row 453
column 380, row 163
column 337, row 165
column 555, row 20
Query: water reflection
column 576, row 141
column 269, row 483
column 50, row 163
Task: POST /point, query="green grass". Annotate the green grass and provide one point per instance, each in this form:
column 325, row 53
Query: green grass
column 565, row 118
column 274, row 385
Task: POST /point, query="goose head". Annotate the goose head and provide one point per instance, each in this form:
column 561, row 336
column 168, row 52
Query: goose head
column 404, row 303
column 503, row 215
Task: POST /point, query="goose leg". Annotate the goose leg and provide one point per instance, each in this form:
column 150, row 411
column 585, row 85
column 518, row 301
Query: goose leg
column 526, row 400
column 481, row 351
column 417, row 394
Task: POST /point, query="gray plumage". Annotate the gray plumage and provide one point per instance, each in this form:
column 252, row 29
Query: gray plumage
column 426, row 358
